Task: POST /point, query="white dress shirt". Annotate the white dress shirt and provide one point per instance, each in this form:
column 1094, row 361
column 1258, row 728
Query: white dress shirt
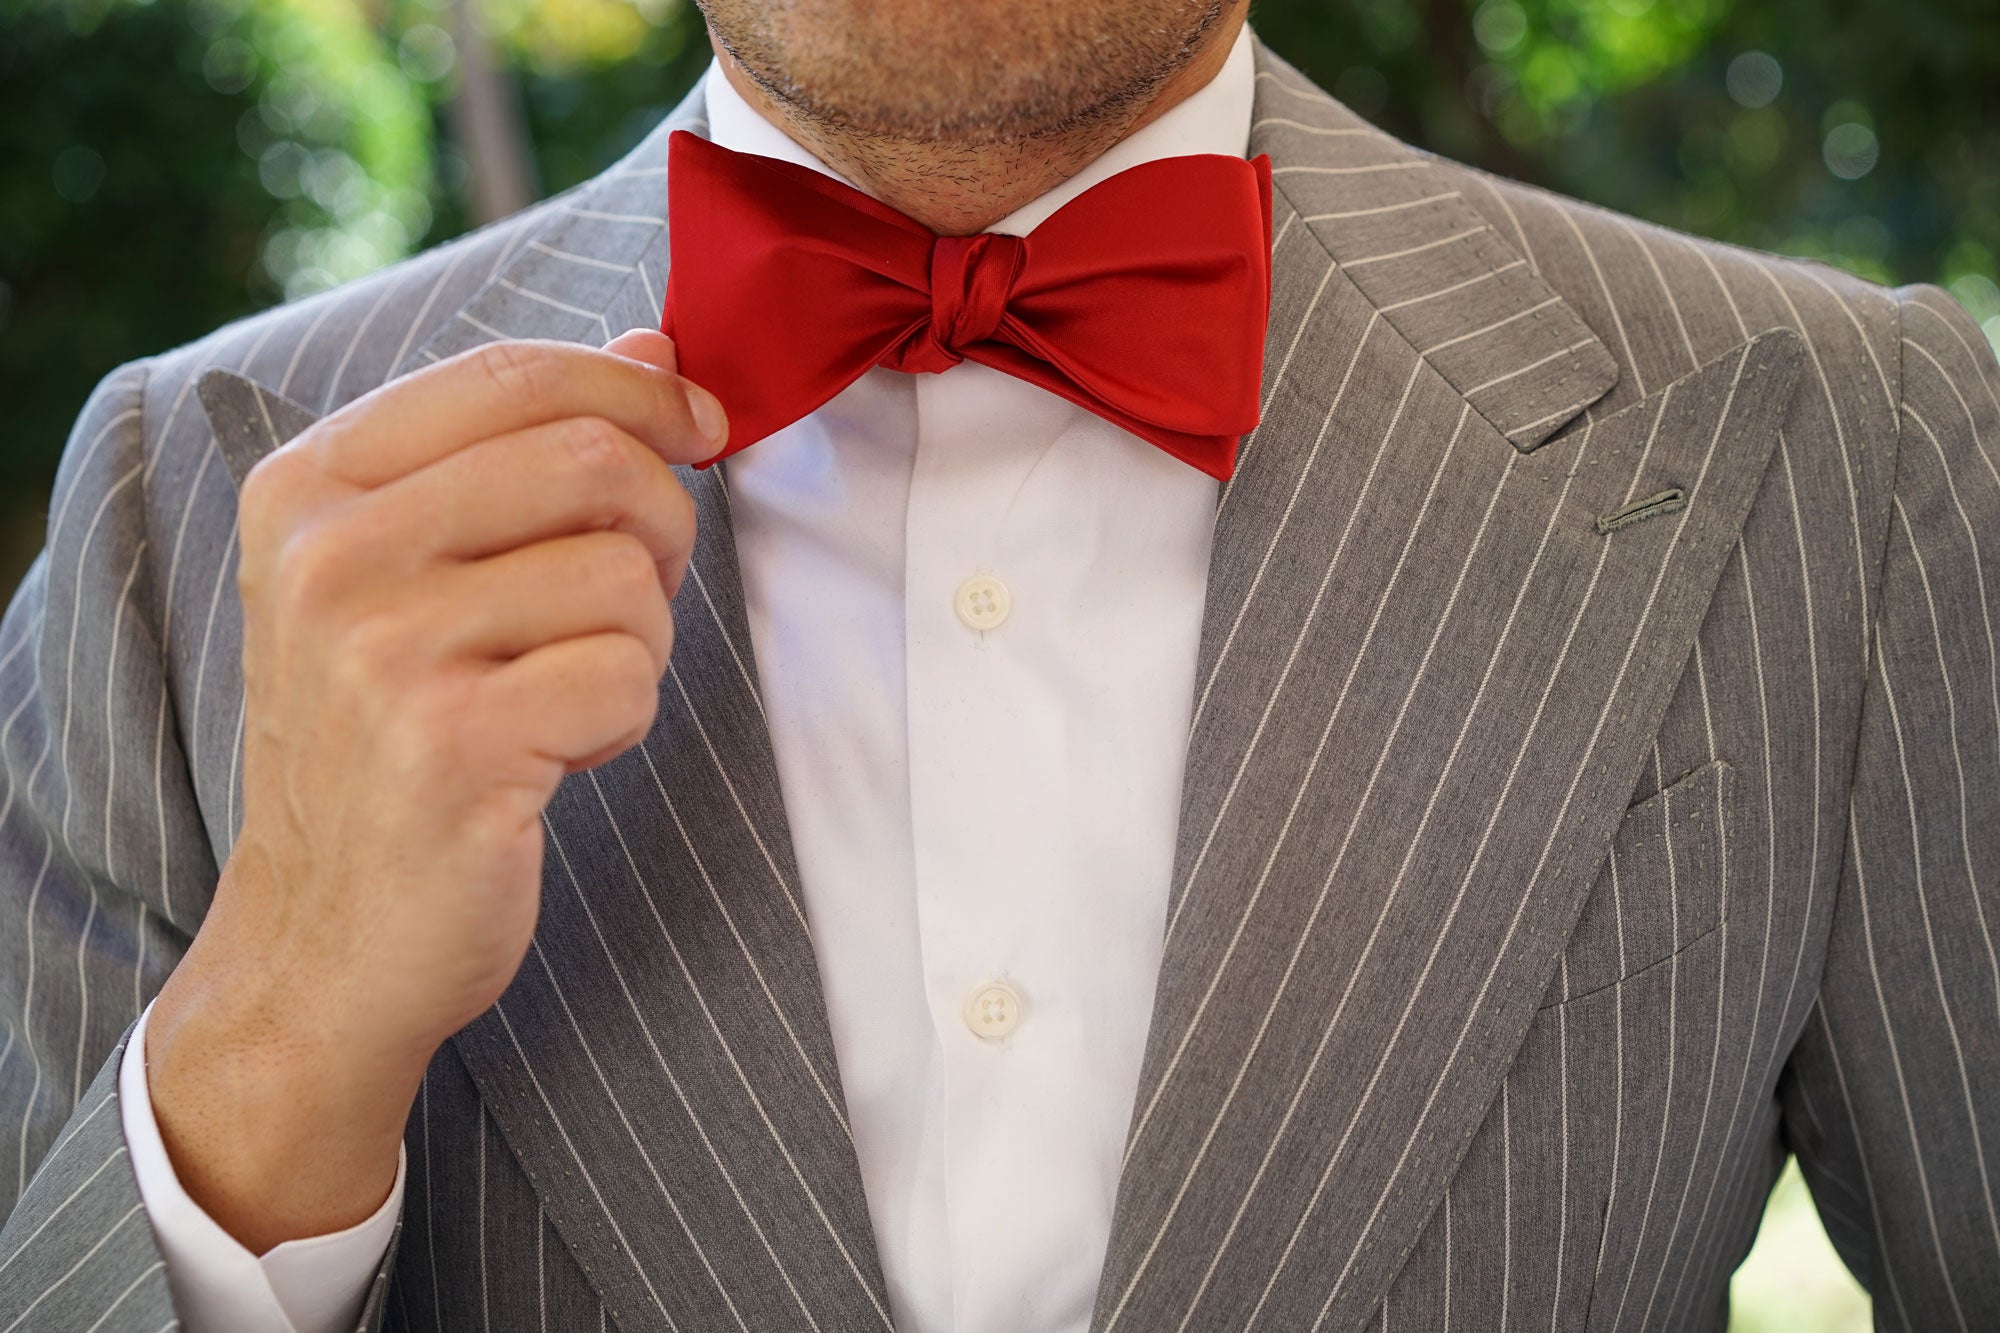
column 975, row 610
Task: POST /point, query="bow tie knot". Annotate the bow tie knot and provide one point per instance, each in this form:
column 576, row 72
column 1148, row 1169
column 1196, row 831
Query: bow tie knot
column 971, row 278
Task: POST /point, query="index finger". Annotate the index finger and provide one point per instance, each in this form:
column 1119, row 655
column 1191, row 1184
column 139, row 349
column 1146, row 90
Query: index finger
column 506, row 386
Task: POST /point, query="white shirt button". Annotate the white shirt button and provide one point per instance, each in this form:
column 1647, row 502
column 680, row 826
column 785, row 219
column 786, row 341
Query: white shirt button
column 982, row 602
column 993, row 1010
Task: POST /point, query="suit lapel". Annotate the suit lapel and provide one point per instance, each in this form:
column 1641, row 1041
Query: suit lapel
column 662, row 1065
column 249, row 419
column 1432, row 269
column 1426, row 682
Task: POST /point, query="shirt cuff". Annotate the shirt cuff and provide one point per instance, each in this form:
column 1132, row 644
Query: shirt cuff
column 317, row 1284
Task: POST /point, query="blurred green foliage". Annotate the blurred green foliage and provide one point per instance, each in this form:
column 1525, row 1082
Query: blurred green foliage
column 1866, row 134
column 168, row 164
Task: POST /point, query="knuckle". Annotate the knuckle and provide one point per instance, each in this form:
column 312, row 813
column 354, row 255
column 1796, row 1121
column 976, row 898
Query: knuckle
column 666, row 638
column 434, row 738
column 654, row 626
column 599, row 451
column 370, row 663
column 681, row 502
column 263, row 484
column 519, row 370
column 670, row 403
column 627, row 567
column 418, row 751
column 265, row 497
column 495, row 823
column 634, row 679
column 373, row 646
column 310, row 570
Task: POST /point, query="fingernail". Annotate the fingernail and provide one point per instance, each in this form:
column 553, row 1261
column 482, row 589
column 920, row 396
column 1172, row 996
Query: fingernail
column 709, row 417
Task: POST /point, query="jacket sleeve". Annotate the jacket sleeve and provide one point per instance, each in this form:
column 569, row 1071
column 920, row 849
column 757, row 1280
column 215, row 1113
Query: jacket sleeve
column 105, row 873
column 1891, row 1100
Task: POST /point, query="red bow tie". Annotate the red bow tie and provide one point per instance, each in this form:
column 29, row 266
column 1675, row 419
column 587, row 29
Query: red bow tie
column 1142, row 300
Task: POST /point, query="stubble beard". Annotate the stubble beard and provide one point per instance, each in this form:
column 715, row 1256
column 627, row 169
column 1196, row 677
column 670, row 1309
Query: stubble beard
column 936, row 105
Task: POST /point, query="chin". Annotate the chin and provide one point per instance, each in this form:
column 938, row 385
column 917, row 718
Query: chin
column 932, row 69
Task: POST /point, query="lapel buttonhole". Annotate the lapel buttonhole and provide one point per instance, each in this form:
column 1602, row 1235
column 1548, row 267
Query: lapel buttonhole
column 1669, row 501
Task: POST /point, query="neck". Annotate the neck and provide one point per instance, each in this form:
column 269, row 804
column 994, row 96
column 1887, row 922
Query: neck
column 957, row 189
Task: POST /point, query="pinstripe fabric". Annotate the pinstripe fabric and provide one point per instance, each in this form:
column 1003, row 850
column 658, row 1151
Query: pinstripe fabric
column 1537, row 887
column 84, row 1198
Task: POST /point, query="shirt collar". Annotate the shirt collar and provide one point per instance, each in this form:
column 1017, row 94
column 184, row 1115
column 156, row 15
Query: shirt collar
column 1213, row 119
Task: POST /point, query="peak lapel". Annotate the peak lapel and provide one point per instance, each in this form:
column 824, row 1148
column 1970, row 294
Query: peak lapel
column 662, row 1065
column 1432, row 267
column 249, row 420
column 1426, row 682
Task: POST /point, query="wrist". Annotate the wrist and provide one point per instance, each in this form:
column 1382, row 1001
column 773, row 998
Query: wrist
column 277, row 1126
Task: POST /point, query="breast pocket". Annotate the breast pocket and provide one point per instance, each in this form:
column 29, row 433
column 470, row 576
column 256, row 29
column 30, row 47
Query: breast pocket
column 1659, row 890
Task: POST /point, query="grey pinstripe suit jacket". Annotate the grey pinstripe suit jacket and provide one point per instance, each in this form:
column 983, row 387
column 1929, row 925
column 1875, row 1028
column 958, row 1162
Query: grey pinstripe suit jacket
column 1541, row 879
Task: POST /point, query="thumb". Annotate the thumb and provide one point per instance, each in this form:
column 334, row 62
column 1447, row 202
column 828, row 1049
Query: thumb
column 653, row 348
column 647, row 345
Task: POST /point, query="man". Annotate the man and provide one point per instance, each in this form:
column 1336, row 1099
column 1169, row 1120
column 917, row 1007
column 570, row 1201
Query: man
column 1426, row 866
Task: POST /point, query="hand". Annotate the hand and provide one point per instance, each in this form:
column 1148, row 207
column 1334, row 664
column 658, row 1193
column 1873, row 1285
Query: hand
column 455, row 592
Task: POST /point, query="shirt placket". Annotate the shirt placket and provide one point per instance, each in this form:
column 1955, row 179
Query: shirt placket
column 986, row 796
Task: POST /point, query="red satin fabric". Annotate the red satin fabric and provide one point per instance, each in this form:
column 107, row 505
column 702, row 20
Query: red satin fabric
column 1143, row 299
